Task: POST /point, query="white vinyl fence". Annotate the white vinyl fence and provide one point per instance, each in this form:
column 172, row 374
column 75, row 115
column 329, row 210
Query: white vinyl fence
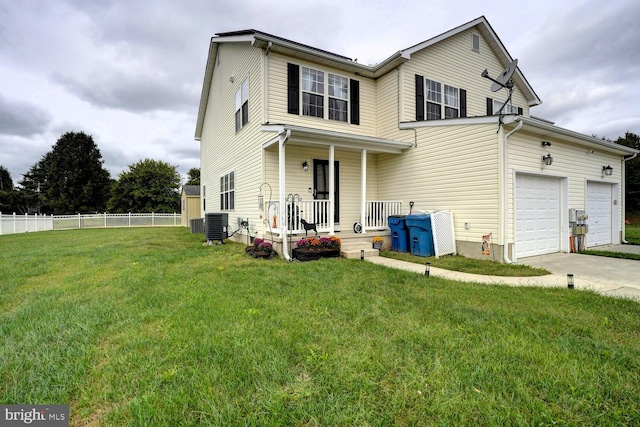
column 12, row 224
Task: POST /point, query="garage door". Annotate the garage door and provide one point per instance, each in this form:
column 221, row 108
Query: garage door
column 599, row 205
column 537, row 210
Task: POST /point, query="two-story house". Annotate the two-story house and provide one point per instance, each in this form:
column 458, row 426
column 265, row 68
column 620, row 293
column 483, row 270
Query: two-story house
column 340, row 144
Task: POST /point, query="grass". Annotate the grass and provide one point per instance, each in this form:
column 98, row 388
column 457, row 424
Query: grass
column 632, row 234
column 469, row 265
column 149, row 327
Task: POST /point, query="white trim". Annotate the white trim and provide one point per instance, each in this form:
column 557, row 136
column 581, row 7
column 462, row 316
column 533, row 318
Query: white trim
column 482, row 120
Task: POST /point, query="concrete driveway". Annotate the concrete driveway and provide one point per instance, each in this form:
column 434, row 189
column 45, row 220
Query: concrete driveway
column 608, row 276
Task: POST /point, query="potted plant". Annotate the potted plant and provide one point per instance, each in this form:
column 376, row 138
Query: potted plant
column 260, row 249
column 377, row 242
column 312, row 248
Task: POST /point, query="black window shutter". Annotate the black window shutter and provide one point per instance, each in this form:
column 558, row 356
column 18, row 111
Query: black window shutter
column 293, row 88
column 355, row 102
column 419, row 98
column 463, row 103
column 489, row 107
column 520, row 111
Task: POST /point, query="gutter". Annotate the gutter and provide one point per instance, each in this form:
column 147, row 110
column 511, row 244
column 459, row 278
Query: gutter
column 505, row 191
column 624, row 191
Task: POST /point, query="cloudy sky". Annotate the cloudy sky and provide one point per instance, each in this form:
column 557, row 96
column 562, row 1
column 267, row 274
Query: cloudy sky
column 129, row 72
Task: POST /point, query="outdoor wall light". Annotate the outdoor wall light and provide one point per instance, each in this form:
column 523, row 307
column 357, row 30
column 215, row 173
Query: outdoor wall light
column 546, row 144
column 427, row 270
column 231, row 78
column 547, row 159
column 570, row 281
column 305, row 166
column 607, row 170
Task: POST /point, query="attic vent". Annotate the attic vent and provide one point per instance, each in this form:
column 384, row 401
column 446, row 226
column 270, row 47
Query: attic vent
column 475, row 42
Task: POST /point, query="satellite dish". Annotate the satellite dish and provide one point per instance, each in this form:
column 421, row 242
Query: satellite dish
column 504, row 79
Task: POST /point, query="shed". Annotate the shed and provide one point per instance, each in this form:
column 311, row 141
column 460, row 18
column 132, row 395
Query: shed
column 190, row 203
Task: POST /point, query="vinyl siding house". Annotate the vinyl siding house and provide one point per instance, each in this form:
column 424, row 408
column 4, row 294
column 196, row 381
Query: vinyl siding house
column 324, row 138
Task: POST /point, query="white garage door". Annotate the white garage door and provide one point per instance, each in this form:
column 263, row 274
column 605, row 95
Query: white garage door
column 537, row 215
column 599, row 205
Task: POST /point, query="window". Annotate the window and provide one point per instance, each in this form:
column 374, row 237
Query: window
column 338, row 95
column 475, row 42
column 242, row 105
column 436, row 106
column 508, row 109
column 434, row 100
column 227, row 192
column 312, row 92
column 332, row 97
column 450, row 102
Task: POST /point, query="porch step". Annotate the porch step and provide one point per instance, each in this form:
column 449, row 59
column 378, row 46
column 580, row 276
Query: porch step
column 353, row 250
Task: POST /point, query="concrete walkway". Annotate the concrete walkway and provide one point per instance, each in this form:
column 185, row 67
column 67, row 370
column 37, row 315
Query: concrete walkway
column 607, row 276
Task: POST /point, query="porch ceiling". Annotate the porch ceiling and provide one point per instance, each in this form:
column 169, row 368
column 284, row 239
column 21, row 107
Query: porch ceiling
column 303, row 136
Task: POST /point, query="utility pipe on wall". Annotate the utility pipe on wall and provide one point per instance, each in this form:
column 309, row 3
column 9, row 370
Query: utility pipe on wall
column 505, row 191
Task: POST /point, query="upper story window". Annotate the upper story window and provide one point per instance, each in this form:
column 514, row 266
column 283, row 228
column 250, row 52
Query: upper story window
column 312, row 92
column 438, row 103
column 494, row 106
column 450, row 102
column 227, row 191
column 242, row 105
column 324, row 95
column 338, row 97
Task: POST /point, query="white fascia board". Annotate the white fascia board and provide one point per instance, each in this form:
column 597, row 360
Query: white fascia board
column 550, row 131
column 455, row 122
column 244, row 38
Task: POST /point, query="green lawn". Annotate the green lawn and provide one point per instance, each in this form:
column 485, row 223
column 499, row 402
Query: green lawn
column 149, row 327
column 632, row 234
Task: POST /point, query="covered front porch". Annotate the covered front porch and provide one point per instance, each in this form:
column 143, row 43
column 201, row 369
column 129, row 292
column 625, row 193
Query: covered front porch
column 324, row 181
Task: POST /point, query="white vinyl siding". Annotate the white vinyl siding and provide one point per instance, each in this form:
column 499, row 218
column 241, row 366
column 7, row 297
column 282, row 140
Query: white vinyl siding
column 442, row 61
column 452, row 168
column 278, row 99
column 222, row 148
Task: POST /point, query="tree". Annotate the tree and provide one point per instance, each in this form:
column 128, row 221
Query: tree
column 148, row 186
column 7, row 193
column 632, row 181
column 31, row 197
column 76, row 180
column 193, row 176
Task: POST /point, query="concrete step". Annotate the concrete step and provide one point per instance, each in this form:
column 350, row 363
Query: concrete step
column 354, row 250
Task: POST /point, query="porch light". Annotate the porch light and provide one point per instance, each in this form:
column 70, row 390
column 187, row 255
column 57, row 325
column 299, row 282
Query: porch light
column 607, row 170
column 305, row 166
column 260, row 201
column 427, row 270
column 547, row 159
column 570, row 281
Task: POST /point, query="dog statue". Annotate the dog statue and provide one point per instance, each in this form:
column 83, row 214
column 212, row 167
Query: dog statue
column 308, row 227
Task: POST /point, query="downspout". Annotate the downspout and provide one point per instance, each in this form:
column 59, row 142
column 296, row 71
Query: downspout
column 505, row 191
column 281, row 191
column 624, row 196
column 266, row 83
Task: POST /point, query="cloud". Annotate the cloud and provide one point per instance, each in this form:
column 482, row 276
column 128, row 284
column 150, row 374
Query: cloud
column 21, row 118
column 130, row 91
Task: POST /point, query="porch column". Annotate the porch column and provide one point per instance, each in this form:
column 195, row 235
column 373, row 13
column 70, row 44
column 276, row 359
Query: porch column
column 332, row 189
column 363, row 189
column 281, row 188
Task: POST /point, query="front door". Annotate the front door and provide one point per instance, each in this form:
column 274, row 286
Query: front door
column 321, row 188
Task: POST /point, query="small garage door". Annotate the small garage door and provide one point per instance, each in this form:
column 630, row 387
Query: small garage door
column 537, row 204
column 599, row 209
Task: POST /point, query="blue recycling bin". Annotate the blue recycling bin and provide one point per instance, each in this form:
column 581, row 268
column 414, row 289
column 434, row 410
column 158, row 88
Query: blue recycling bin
column 399, row 233
column 420, row 235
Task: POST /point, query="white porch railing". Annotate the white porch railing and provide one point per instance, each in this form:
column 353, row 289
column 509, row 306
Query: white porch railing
column 312, row 211
column 377, row 213
column 317, row 212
